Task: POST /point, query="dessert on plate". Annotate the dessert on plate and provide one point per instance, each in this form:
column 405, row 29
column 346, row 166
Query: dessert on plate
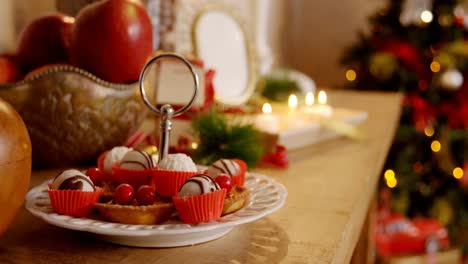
column 172, row 172
column 73, row 193
column 234, row 168
column 135, row 168
column 200, row 199
column 230, row 174
column 136, row 191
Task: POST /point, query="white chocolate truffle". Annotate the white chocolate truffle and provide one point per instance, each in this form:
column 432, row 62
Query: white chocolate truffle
column 73, row 180
column 197, row 185
column 113, row 156
column 136, row 160
column 177, row 162
column 224, row 166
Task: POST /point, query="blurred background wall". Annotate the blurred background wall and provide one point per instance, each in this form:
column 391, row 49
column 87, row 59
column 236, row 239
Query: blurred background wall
column 304, row 34
column 316, row 32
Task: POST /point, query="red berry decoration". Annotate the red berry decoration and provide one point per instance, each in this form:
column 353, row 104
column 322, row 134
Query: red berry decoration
column 94, row 174
column 224, row 181
column 124, row 194
column 146, row 195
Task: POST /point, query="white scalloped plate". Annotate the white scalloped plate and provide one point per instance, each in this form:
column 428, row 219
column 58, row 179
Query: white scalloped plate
column 266, row 196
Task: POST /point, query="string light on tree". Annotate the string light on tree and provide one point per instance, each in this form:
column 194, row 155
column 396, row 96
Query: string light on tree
column 351, row 75
column 389, row 174
column 429, row 131
column 436, row 146
column 426, row 16
column 435, row 66
column 458, row 173
column 390, row 178
column 194, row 145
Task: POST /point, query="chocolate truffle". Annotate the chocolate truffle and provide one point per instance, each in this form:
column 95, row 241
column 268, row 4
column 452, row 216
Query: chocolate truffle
column 225, row 166
column 113, row 156
column 197, row 185
column 73, row 180
column 136, row 160
column 177, row 162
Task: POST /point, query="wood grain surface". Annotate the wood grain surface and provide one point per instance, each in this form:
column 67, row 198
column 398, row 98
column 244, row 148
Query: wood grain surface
column 330, row 185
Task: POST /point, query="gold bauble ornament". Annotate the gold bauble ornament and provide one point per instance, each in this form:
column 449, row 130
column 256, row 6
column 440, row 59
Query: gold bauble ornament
column 15, row 163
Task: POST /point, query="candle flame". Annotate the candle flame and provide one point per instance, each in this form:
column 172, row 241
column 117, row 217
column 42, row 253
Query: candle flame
column 310, row 99
column 266, row 108
column 292, row 101
column 322, row 97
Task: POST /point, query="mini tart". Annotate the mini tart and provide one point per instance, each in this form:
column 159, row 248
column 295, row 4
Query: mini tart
column 108, row 189
column 136, row 215
column 235, row 199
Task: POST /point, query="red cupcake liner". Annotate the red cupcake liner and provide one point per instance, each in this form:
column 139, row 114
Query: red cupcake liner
column 73, row 202
column 168, row 183
column 106, row 177
column 200, row 208
column 239, row 179
column 135, row 178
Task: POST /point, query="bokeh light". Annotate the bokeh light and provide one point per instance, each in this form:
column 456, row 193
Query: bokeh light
column 350, row 75
column 435, row 66
column 426, row 16
column 458, row 173
column 429, row 131
column 436, row 146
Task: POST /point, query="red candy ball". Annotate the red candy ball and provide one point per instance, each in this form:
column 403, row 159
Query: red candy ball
column 124, row 194
column 94, row 174
column 146, row 195
column 224, row 181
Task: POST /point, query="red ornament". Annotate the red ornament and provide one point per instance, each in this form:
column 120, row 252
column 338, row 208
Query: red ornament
column 146, row 195
column 406, row 52
column 456, row 115
column 124, row 194
column 423, row 114
column 224, row 181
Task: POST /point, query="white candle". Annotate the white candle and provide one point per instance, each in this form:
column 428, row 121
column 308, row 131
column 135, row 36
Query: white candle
column 267, row 121
column 292, row 118
column 292, row 103
column 322, row 109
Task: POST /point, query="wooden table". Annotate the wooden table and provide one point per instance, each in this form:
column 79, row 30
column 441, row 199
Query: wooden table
column 331, row 186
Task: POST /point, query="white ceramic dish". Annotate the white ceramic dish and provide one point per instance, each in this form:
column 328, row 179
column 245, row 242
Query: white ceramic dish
column 266, row 197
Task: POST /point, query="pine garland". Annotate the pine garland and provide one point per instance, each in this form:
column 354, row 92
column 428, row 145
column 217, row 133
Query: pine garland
column 223, row 138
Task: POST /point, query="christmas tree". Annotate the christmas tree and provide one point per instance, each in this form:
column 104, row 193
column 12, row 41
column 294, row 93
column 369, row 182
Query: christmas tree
column 420, row 48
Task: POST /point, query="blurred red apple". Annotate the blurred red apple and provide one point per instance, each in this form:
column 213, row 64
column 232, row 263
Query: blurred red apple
column 9, row 69
column 112, row 39
column 44, row 41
